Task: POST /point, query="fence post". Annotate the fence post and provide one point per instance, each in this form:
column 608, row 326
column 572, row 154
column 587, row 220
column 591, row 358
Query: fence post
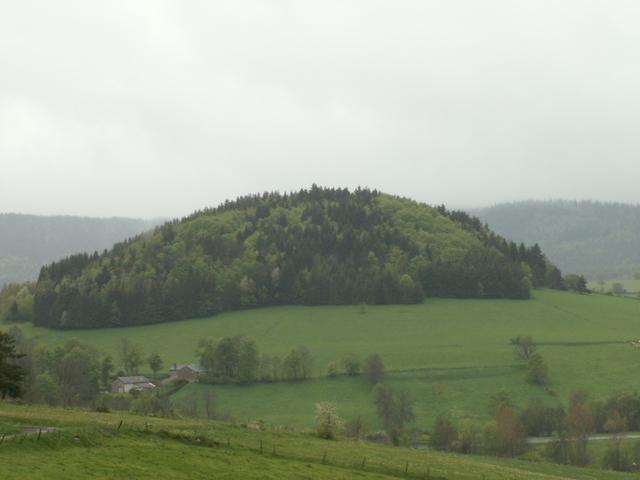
column 2, row 439
column 39, row 433
column 324, row 457
column 364, row 461
column 406, row 468
column 119, row 425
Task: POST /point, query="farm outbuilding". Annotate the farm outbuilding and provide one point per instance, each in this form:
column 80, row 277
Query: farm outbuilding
column 129, row 384
column 191, row 372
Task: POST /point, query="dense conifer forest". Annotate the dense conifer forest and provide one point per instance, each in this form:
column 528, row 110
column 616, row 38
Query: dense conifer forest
column 314, row 247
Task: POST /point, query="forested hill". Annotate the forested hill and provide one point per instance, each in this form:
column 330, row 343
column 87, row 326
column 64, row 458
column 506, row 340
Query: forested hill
column 317, row 246
column 591, row 238
column 27, row 242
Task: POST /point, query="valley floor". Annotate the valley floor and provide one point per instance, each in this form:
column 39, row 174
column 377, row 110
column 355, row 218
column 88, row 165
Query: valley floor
column 452, row 355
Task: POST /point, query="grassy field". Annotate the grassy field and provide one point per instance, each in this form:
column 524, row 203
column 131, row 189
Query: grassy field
column 451, row 354
column 91, row 445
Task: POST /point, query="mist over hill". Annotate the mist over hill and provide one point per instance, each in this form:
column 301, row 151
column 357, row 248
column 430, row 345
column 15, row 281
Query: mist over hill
column 27, row 242
column 313, row 247
column 592, row 238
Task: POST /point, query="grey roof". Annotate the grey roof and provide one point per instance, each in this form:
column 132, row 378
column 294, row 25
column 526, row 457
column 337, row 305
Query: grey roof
column 193, row 366
column 134, row 379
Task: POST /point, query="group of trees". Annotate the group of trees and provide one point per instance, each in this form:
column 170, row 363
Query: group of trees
column 70, row 374
column 16, row 302
column 317, row 246
column 525, row 349
column 237, row 360
column 571, row 428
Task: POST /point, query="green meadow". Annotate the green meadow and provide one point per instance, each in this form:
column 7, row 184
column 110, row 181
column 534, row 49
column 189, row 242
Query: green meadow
column 452, row 355
column 118, row 445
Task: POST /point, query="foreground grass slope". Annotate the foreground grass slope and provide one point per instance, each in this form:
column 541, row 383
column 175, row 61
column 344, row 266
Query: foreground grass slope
column 452, row 355
column 91, row 445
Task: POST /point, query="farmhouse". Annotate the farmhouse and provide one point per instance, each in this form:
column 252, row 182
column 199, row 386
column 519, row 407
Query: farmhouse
column 129, row 384
column 191, row 372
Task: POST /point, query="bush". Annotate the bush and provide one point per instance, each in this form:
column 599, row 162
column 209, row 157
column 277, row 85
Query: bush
column 373, row 369
column 351, row 365
column 354, row 428
column 537, row 373
column 327, row 420
column 113, row 401
column 444, row 434
column 332, row 370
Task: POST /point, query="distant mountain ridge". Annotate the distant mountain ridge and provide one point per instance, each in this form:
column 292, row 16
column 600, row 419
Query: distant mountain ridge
column 27, row 242
column 596, row 239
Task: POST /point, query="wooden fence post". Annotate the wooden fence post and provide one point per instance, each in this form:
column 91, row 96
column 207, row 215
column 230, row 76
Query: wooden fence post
column 119, row 425
column 324, row 457
column 406, row 468
column 39, row 433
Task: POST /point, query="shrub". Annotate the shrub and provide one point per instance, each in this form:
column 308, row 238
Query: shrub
column 327, row 420
column 354, row 428
column 444, row 434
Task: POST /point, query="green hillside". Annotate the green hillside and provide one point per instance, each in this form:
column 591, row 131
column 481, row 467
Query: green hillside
column 314, row 247
column 100, row 445
column 592, row 238
column 452, row 355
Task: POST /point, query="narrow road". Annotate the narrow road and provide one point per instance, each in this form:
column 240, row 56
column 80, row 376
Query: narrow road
column 596, row 438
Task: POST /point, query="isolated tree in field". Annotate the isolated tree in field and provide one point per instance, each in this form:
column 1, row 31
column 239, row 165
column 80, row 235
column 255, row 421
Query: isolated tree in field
column 106, row 368
column 155, row 363
column 373, row 369
column 537, row 372
column 523, row 347
column 11, row 374
column 327, row 420
column 444, row 434
column 351, row 364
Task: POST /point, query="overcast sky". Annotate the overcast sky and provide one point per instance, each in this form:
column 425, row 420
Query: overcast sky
column 157, row 108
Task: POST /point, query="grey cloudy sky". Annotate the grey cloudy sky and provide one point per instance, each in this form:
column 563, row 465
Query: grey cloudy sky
column 157, row 108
